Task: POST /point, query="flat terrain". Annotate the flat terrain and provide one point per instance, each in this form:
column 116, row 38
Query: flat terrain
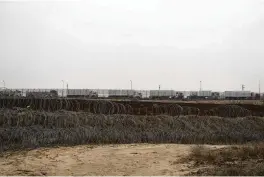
column 134, row 159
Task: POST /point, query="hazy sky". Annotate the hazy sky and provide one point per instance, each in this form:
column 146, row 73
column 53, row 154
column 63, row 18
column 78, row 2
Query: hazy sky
column 107, row 43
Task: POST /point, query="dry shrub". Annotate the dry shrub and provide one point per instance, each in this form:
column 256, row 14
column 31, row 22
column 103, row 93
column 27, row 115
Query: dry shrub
column 244, row 160
column 230, row 154
column 202, row 154
column 250, row 169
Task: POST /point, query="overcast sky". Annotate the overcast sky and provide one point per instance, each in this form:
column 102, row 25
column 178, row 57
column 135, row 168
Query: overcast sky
column 107, row 43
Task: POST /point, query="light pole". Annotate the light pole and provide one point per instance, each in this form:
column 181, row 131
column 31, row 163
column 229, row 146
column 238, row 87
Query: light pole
column 200, row 85
column 62, row 87
column 159, row 90
column 3, row 83
column 259, row 91
column 67, row 87
column 131, row 84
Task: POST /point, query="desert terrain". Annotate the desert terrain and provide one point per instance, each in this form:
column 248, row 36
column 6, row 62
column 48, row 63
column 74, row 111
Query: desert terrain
column 119, row 160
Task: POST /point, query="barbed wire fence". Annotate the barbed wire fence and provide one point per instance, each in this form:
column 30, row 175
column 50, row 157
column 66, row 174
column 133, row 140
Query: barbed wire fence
column 40, row 120
column 45, row 101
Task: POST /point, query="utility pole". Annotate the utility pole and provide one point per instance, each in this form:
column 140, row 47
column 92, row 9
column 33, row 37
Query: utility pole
column 67, row 88
column 3, row 83
column 259, row 91
column 159, row 90
column 131, row 84
column 62, row 87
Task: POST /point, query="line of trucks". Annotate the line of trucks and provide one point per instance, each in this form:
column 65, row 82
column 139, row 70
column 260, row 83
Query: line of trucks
column 164, row 94
column 132, row 94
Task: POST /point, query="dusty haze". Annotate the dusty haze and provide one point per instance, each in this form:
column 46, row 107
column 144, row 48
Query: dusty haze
column 105, row 44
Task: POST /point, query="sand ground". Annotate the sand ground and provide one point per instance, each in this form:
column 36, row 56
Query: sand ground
column 115, row 160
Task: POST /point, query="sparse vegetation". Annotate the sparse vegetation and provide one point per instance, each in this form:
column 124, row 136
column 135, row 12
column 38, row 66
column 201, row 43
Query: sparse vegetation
column 243, row 160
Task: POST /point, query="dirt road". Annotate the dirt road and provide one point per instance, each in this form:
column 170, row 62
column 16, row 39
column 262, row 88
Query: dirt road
column 135, row 160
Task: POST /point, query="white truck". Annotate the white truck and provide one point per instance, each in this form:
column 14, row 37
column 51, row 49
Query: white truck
column 237, row 95
column 81, row 93
column 124, row 94
column 162, row 94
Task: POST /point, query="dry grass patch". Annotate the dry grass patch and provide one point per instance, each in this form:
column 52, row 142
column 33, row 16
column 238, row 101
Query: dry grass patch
column 246, row 160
